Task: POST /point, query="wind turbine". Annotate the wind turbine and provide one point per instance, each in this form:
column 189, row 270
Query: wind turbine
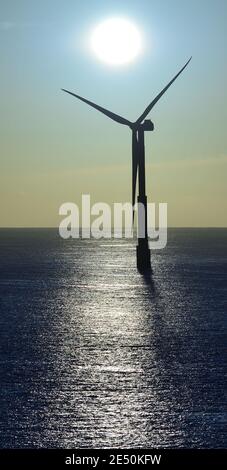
column 138, row 166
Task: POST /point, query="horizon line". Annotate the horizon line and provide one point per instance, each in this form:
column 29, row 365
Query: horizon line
column 87, row 228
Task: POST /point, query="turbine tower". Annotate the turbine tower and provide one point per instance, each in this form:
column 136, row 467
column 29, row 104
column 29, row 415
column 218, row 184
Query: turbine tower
column 138, row 128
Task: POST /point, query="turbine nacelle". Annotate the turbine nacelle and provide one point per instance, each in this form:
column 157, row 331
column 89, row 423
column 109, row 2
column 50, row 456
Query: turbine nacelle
column 146, row 125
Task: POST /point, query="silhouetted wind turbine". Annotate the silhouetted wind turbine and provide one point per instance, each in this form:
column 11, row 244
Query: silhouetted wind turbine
column 138, row 165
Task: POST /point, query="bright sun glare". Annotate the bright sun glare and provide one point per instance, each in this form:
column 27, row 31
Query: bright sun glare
column 116, row 41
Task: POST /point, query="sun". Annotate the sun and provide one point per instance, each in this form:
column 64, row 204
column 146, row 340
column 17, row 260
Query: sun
column 116, row 41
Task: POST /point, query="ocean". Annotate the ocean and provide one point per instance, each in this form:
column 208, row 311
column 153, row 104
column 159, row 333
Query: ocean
column 94, row 354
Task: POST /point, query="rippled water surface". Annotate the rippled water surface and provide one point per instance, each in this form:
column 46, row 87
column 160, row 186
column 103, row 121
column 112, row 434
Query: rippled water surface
column 92, row 354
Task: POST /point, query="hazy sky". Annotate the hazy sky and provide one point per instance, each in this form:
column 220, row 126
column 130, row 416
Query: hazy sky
column 54, row 148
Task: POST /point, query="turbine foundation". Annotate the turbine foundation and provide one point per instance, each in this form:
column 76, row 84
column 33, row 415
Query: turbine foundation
column 143, row 256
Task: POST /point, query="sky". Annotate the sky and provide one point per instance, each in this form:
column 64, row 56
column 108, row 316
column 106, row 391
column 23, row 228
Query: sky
column 54, row 148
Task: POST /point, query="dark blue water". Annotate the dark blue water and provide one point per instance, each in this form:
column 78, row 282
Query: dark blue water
column 92, row 354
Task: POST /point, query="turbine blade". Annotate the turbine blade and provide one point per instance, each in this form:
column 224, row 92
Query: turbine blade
column 108, row 113
column 134, row 171
column 153, row 103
